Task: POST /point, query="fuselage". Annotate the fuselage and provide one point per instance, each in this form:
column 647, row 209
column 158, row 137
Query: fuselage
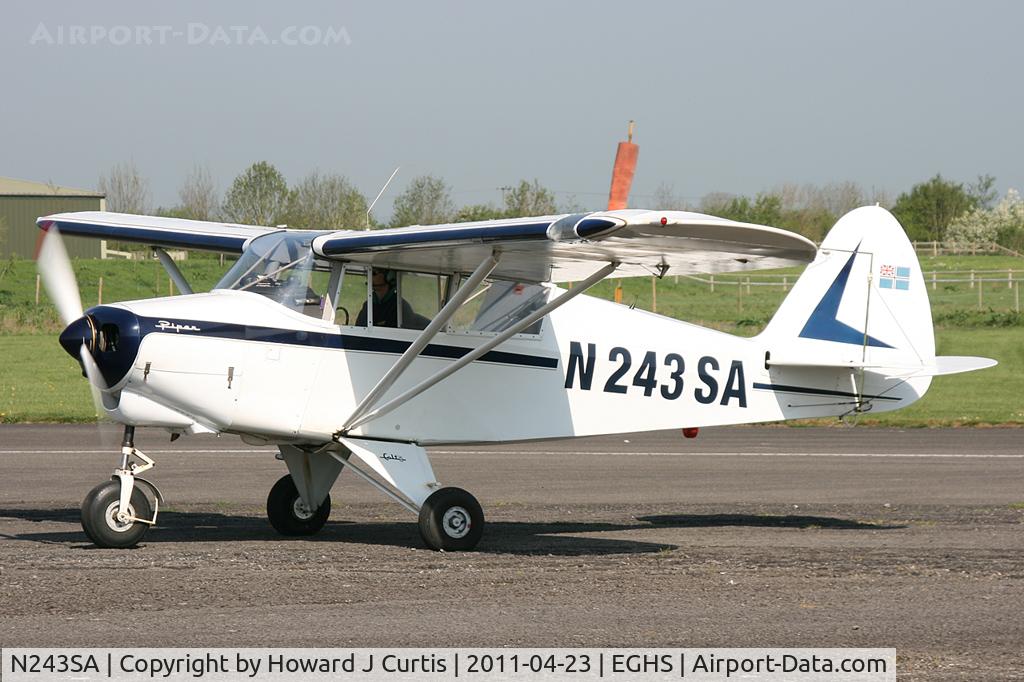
column 237, row 362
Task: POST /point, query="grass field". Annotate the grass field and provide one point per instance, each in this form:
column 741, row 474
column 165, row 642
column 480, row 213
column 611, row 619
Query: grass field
column 39, row 382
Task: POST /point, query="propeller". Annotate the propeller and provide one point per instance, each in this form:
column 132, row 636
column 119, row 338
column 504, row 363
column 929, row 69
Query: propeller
column 58, row 277
column 55, row 268
column 96, row 382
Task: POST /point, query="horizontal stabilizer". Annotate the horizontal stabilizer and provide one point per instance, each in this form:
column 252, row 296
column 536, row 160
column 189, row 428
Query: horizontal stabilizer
column 944, row 364
column 955, row 364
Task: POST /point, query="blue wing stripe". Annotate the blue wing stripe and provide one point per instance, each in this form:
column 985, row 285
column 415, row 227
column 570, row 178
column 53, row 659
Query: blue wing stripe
column 362, row 242
column 156, row 237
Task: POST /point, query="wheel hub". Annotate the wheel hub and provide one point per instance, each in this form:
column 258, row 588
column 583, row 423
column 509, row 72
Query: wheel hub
column 456, row 522
column 117, row 521
column 302, row 511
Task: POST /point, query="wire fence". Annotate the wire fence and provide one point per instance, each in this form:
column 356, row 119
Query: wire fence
column 960, row 289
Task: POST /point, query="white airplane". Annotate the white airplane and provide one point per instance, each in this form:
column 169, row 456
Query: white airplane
column 358, row 349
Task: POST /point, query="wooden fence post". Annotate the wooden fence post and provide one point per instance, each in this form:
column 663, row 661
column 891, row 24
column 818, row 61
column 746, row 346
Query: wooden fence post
column 654, row 294
column 99, row 295
column 37, row 289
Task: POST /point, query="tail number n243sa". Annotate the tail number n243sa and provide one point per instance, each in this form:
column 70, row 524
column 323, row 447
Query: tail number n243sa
column 666, row 376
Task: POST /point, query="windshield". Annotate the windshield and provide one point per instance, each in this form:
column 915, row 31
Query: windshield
column 280, row 266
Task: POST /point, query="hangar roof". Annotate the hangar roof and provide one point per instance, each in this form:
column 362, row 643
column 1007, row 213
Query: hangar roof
column 16, row 187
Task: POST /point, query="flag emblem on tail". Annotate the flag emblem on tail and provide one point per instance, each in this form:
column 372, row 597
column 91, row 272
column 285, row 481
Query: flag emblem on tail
column 894, row 277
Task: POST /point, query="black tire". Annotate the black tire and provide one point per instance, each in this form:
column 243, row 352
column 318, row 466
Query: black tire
column 287, row 513
column 98, row 516
column 451, row 520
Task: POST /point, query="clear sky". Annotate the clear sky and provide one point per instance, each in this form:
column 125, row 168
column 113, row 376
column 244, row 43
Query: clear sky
column 728, row 96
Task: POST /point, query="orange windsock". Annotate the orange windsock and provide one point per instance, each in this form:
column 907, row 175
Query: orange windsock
column 622, row 173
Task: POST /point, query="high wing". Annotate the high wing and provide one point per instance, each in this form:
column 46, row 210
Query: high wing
column 566, row 248
column 175, row 233
column 557, row 248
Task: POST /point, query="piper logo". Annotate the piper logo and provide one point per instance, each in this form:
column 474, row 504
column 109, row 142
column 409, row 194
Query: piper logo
column 894, row 277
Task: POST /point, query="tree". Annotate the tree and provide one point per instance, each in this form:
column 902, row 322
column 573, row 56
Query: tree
column 1002, row 224
column 765, row 209
column 426, row 201
column 198, row 195
column 666, row 199
column 258, row 196
column 326, row 202
column 125, row 189
column 983, row 191
column 529, row 199
column 929, row 208
column 478, row 212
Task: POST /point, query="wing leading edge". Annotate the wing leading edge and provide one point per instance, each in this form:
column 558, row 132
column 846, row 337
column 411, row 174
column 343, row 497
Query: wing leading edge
column 564, row 248
column 175, row 233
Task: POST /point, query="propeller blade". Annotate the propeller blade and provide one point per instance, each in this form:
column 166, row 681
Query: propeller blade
column 55, row 267
column 96, row 382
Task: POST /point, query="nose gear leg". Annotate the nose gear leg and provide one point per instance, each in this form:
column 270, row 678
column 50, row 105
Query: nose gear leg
column 128, row 473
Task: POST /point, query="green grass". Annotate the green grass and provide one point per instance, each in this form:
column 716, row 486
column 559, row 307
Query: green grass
column 39, row 382
column 123, row 280
column 990, row 396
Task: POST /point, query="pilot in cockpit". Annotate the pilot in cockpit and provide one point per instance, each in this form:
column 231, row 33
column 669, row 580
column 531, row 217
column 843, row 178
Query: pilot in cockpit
column 385, row 304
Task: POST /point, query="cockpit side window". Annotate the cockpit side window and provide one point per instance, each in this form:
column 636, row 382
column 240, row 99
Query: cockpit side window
column 496, row 305
column 352, row 298
column 419, row 294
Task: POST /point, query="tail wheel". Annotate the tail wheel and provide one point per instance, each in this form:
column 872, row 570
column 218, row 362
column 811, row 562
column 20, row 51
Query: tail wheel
column 451, row 520
column 289, row 515
column 99, row 516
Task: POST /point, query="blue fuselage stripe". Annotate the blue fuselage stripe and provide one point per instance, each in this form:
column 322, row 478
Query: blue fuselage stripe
column 351, row 342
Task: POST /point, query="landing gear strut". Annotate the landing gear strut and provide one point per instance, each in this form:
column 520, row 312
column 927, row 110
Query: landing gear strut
column 117, row 513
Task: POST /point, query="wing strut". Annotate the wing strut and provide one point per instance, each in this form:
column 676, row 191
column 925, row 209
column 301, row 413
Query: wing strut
column 477, row 353
column 172, row 269
column 410, row 354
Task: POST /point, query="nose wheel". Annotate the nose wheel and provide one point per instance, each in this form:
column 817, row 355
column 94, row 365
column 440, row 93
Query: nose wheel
column 117, row 513
column 103, row 521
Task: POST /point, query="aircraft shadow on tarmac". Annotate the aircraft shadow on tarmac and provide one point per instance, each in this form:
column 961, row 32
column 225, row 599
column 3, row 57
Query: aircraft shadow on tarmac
column 503, row 537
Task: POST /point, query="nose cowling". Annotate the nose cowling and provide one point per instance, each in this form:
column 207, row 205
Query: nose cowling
column 110, row 335
column 81, row 331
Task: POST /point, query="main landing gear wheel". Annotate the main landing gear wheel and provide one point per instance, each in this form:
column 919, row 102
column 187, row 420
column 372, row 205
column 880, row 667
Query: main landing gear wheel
column 289, row 515
column 451, row 520
column 99, row 516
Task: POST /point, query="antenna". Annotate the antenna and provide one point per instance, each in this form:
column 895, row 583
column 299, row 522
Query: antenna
column 374, row 202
